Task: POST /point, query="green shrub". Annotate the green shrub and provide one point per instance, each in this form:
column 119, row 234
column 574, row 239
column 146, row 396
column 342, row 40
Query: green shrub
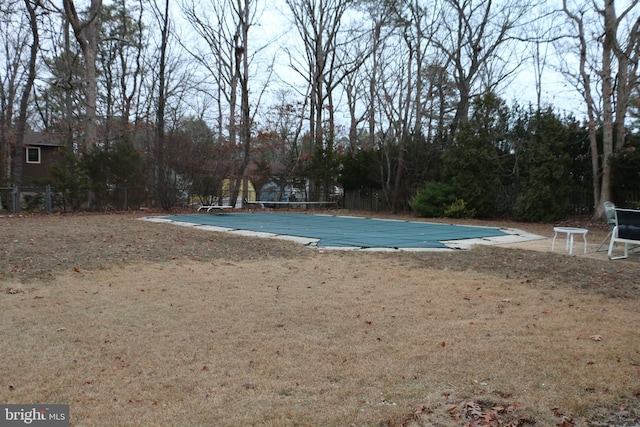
column 432, row 200
column 458, row 209
column 479, row 161
column 34, row 202
column 70, row 179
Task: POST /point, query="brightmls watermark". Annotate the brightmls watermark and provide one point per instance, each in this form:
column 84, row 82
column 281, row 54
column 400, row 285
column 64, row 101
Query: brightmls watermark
column 34, row 415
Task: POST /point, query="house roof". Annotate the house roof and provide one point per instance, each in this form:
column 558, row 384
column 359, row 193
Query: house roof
column 44, row 139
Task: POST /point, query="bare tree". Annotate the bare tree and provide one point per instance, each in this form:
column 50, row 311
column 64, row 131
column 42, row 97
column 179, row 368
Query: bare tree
column 20, row 41
column 328, row 54
column 59, row 103
column 244, row 13
column 393, row 97
column 399, row 84
column 418, row 25
column 226, row 34
column 539, row 39
column 85, row 31
column 473, row 34
column 120, row 58
column 165, row 176
column 360, row 85
column 21, row 125
column 318, row 23
column 215, row 26
column 618, row 40
column 278, row 149
column 15, row 42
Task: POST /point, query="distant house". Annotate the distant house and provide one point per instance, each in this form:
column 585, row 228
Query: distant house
column 40, row 154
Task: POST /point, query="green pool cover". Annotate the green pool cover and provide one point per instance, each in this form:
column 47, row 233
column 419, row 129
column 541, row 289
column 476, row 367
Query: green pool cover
column 342, row 231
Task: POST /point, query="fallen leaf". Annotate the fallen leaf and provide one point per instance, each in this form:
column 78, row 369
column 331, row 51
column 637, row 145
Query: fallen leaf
column 596, row 337
column 420, row 409
column 565, row 422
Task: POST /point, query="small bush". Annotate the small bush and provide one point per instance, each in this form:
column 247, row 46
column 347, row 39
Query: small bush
column 433, row 199
column 34, row 202
column 458, row 209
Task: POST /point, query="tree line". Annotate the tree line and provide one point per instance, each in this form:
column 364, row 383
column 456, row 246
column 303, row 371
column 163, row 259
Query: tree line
column 405, row 99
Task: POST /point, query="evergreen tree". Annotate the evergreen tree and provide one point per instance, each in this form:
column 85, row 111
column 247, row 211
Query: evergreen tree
column 476, row 162
column 545, row 185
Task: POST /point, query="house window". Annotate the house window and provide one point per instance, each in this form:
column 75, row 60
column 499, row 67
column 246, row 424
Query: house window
column 33, row 154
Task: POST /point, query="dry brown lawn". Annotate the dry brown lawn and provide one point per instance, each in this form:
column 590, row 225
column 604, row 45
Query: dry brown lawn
column 136, row 323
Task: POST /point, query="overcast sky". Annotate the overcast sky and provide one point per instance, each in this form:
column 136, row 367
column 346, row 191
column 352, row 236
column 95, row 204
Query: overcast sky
column 273, row 31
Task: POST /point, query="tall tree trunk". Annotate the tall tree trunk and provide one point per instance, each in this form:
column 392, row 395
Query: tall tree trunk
column 244, row 104
column 591, row 114
column 68, row 101
column 619, row 65
column 627, row 81
column 242, row 73
column 163, row 176
column 608, row 44
column 87, row 37
column 8, row 96
column 404, row 129
column 318, row 23
column 461, row 116
column 320, row 62
column 24, row 100
column 373, row 82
